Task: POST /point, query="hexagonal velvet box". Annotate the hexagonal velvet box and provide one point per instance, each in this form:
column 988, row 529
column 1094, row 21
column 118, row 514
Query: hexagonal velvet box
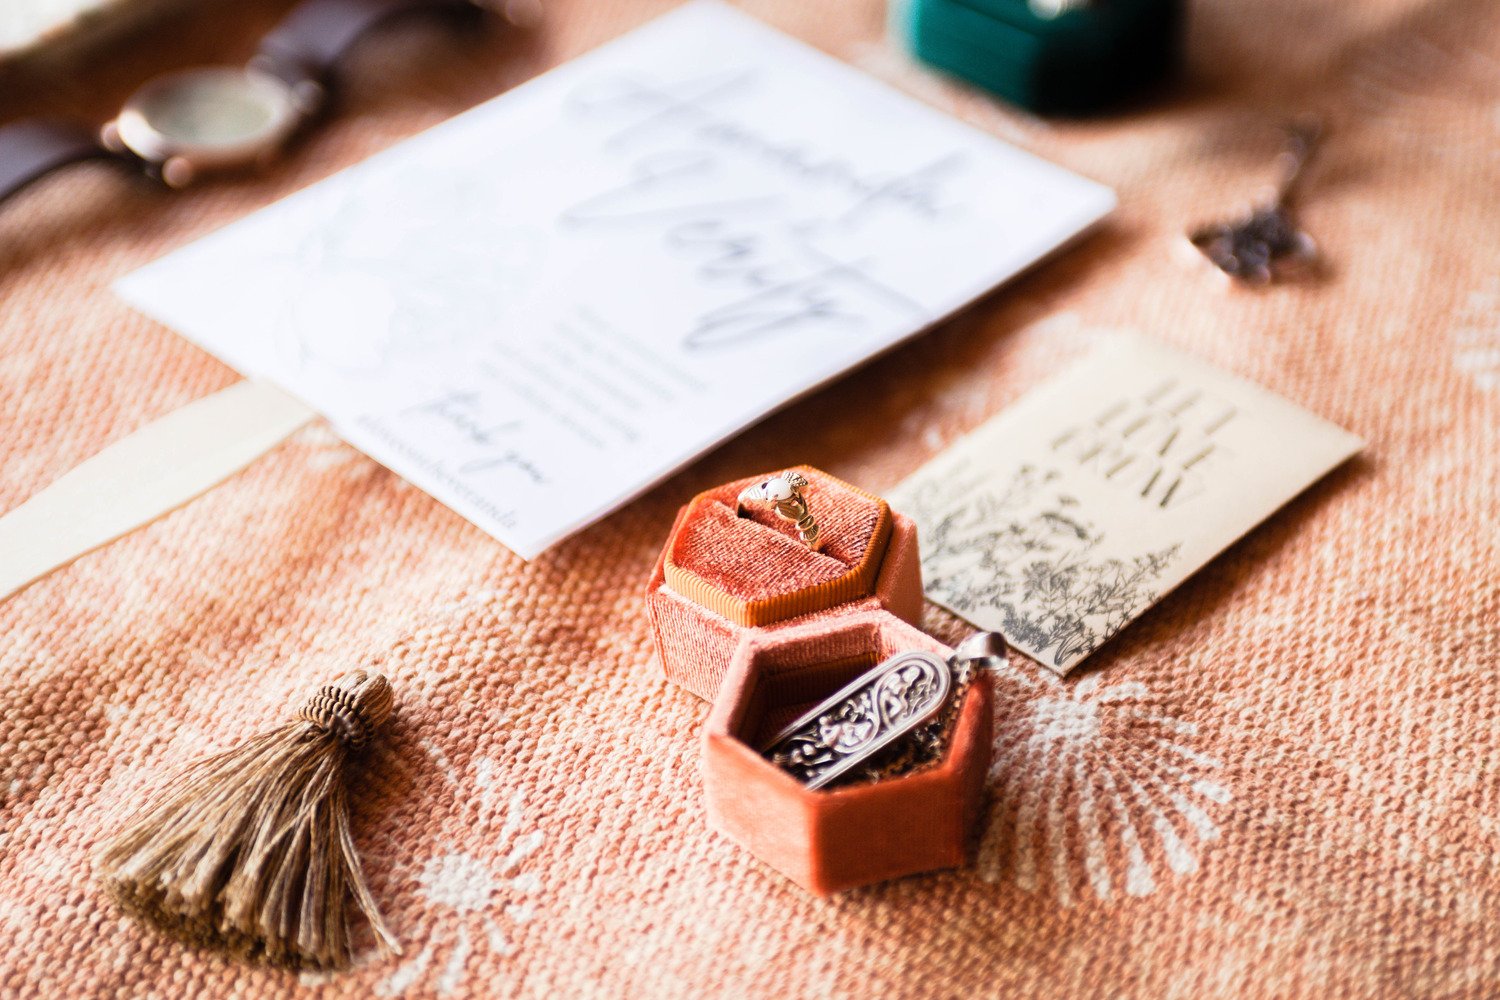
column 838, row 838
column 722, row 576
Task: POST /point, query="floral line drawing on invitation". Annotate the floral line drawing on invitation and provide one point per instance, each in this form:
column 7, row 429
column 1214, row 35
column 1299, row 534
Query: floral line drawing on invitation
column 472, row 895
column 1027, row 554
column 1084, row 603
column 1095, row 787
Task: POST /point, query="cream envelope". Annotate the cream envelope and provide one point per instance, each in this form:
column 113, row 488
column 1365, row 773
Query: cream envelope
column 1062, row 519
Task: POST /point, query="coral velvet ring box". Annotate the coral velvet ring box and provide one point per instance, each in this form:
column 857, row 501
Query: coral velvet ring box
column 746, row 615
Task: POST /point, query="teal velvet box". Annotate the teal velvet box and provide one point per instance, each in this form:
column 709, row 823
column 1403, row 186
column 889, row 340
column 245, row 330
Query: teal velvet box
column 1081, row 61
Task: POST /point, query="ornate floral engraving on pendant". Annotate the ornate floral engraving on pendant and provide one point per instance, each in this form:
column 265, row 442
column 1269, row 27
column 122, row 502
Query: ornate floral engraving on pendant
column 879, row 707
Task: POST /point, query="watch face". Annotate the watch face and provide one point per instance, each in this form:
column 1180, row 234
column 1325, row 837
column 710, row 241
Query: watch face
column 214, row 117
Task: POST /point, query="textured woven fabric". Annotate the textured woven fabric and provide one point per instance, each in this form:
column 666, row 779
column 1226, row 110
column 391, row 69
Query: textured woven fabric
column 1280, row 782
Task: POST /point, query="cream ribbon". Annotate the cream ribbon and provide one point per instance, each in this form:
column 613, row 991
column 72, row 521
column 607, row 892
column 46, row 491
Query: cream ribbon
column 143, row 476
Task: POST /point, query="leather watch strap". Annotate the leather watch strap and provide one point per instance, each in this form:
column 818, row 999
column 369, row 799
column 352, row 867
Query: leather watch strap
column 33, row 147
column 309, row 42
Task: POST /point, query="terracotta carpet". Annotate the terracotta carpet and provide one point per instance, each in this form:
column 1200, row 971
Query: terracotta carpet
column 1281, row 782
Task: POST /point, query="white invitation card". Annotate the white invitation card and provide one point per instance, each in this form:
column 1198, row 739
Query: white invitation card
column 540, row 308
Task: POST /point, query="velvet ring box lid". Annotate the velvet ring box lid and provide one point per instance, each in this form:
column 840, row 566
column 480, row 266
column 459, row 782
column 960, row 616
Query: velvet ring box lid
column 837, row 838
column 722, row 576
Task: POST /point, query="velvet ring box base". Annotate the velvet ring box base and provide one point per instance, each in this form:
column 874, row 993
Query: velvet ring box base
column 722, row 577
column 838, row 838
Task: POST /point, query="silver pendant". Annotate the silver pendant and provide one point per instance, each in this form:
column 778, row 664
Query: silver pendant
column 886, row 704
column 1267, row 244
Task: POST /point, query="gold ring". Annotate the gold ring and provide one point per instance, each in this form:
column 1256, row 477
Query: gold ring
column 783, row 494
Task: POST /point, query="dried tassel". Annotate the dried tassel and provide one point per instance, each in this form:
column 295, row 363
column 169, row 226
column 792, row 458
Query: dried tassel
column 251, row 852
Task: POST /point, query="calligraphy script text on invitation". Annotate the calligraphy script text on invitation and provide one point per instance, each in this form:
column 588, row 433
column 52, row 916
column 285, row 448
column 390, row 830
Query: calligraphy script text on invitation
column 1061, row 520
column 540, row 308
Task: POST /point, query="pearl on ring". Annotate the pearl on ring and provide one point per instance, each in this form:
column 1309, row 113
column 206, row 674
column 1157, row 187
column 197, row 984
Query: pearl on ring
column 783, row 494
column 777, row 490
